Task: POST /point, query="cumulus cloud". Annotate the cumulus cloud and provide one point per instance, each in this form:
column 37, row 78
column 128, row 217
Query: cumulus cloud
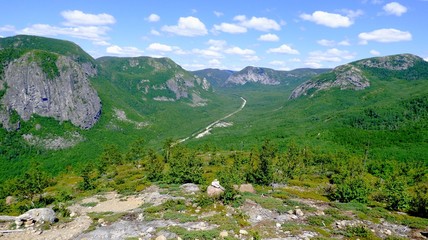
column 394, row 8
column 163, row 48
column 374, row 52
column 93, row 33
column 153, row 18
column 230, row 28
column 284, row 48
column 332, row 20
column 79, row 18
column 385, row 35
column 239, row 51
column 332, row 43
column 258, row 23
column 207, row 53
column 187, row 26
column 124, row 51
column 269, row 38
column 214, row 62
column 218, row 14
column 316, row 58
column 159, row 47
column 7, row 28
column 251, row 58
column 216, row 45
column 155, row 33
column 326, row 43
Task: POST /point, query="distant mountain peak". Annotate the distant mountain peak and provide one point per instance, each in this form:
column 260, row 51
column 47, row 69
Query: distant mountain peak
column 355, row 75
column 253, row 75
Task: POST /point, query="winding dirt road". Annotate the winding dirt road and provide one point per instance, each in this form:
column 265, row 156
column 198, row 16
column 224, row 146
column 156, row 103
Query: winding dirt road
column 208, row 128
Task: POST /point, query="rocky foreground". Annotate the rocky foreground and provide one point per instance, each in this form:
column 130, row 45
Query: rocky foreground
column 186, row 212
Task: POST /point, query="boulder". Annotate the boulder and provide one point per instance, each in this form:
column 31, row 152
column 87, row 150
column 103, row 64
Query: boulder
column 10, row 200
column 190, row 188
column 246, row 188
column 215, row 189
column 37, row 215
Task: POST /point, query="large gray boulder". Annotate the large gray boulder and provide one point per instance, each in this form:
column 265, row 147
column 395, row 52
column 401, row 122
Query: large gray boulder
column 37, row 215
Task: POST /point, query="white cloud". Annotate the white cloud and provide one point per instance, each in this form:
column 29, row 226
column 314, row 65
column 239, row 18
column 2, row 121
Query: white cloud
column 159, row 47
column 313, row 64
column 277, row 63
column 332, row 43
column 344, row 43
column 385, row 35
column 124, row 51
column 326, row 43
column 426, row 59
column 216, row 45
column 295, row 60
column 218, row 14
column 284, row 48
column 79, row 18
column 207, row 53
column 102, row 43
column 154, row 32
column 7, row 28
column 230, row 28
column 251, row 58
column 93, row 33
column 214, row 62
column 153, row 18
column 258, row 23
column 374, row 52
column 394, row 8
column 239, row 51
column 269, row 37
column 187, row 26
column 330, row 55
column 332, row 20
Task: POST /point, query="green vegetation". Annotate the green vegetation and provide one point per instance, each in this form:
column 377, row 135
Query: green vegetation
column 366, row 150
column 47, row 61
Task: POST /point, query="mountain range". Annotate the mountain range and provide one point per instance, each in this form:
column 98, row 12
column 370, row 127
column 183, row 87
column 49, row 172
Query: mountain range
column 57, row 102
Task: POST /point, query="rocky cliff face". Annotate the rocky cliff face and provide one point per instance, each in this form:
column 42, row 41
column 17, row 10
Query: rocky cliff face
column 344, row 77
column 158, row 79
column 252, row 75
column 354, row 75
column 66, row 96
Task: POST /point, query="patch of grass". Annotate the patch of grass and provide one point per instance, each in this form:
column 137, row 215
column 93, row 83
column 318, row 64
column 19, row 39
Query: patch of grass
column 270, row 203
column 180, row 217
column 89, row 204
column 320, row 221
column 202, row 234
column 309, row 194
column 335, row 213
column 291, row 204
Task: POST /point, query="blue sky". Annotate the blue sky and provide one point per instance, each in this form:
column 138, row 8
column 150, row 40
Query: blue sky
column 229, row 34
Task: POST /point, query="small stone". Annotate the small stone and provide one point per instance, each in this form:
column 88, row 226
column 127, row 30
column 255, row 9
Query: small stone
column 150, row 229
column 278, row 225
column 319, row 213
column 259, row 218
column 290, row 211
column 388, row 232
column 224, row 234
column 299, row 212
column 243, row 232
column 179, row 238
column 161, row 237
column 73, row 214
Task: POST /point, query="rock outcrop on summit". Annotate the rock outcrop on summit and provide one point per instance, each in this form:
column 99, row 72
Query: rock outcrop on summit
column 357, row 75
